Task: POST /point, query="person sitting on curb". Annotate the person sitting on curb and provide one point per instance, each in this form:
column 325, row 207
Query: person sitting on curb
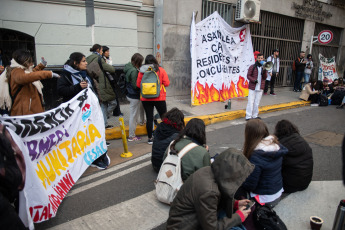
column 309, row 92
column 206, row 199
column 197, row 157
column 297, row 168
column 341, row 106
column 172, row 123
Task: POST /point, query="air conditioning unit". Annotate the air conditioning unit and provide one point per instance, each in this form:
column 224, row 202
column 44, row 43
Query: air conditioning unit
column 248, row 10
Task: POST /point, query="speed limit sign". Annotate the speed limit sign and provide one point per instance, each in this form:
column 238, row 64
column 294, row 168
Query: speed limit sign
column 325, row 37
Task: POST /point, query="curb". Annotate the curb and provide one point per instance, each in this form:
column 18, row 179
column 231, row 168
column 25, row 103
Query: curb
column 115, row 133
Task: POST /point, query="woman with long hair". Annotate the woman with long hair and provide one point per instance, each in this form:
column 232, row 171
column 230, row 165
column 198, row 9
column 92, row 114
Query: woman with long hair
column 158, row 102
column 25, row 85
column 133, row 95
column 73, row 80
column 297, row 168
column 172, row 123
column 263, row 150
column 197, row 157
column 311, row 92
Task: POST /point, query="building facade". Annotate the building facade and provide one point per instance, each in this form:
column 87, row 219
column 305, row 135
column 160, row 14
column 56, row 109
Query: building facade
column 55, row 28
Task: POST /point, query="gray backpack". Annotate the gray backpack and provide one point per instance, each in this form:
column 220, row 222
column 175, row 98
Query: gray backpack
column 150, row 84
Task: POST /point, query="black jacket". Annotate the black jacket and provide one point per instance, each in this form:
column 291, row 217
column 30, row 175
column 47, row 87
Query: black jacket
column 164, row 134
column 299, row 66
column 297, row 168
column 67, row 89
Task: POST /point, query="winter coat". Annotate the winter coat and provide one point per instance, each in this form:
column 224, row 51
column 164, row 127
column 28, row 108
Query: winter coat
column 252, row 76
column 131, row 78
column 297, row 169
column 164, row 135
column 163, row 79
column 306, row 92
column 299, row 66
column 67, row 89
column 266, row 179
column 28, row 100
column 194, row 159
column 106, row 92
column 201, row 196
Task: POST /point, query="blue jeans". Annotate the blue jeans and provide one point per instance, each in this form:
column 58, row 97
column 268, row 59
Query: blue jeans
column 299, row 76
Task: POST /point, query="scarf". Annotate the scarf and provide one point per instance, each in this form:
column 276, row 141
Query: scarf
column 77, row 76
column 5, row 97
column 267, row 144
column 173, row 124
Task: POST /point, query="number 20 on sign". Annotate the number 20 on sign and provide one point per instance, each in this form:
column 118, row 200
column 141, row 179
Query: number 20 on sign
column 325, row 37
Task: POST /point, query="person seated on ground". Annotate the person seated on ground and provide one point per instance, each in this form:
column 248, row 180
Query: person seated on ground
column 73, row 80
column 326, row 88
column 208, row 194
column 341, row 81
column 197, row 157
column 297, row 168
column 310, row 93
column 263, row 150
column 24, row 83
column 341, row 106
column 172, row 123
column 335, row 84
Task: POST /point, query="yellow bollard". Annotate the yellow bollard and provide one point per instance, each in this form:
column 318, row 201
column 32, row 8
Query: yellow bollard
column 125, row 154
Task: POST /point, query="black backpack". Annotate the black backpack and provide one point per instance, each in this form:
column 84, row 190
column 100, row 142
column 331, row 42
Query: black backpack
column 323, row 100
column 265, row 218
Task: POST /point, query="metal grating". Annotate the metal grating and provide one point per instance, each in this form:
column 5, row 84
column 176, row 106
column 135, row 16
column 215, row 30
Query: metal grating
column 226, row 10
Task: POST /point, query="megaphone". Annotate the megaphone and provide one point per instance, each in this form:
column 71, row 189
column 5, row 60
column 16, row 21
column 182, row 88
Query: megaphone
column 267, row 65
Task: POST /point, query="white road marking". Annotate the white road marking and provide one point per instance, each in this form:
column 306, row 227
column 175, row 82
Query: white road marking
column 142, row 212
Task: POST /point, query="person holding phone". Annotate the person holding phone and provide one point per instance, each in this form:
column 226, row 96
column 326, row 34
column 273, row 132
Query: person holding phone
column 300, row 63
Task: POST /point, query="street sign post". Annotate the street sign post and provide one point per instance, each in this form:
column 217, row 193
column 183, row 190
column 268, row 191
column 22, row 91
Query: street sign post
column 324, row 37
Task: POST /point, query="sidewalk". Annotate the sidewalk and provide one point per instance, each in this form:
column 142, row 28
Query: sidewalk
column 215, row 112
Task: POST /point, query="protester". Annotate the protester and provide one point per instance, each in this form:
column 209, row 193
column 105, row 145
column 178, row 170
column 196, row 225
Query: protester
column 150, row 103
column 265, row 183
column 197, row 157
column 308, row 68
column 136, row 108
column 210, row 191
column 300, row 64
column 326, row 88
column 256, row 76
column 12, row 180
column 24, row 83
column 97, row 68
column 310, row 92
column 273, row 73
column 335, row 84
column 172, row 123
column 297, row 168
column 74, row 79
column 106, row 55
column 341, row 106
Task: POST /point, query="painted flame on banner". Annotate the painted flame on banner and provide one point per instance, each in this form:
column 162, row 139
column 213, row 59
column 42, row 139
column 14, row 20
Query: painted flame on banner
column 206, row 94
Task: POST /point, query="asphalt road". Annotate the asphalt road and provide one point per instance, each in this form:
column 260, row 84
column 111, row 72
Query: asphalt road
column 112, row 195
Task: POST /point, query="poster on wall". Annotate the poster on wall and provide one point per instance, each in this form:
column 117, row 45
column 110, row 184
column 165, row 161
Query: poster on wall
column 221, row 56
column 327, row 69
column 58, row 146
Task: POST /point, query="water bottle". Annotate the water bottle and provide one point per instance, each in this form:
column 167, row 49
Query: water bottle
column 229, row 104
column 339, row 220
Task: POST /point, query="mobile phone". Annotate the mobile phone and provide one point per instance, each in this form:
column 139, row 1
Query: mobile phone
column 250, row 205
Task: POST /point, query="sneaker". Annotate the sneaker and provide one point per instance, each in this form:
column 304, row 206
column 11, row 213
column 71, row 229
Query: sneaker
column 299, row 90
column 134, row 138
column 265, row 93
column 109, row 127
column 314, row 104
column 247, row 119
column 99, row 164
column 340, row 107
column 295, row 90
column 150, row 141
column 273, row 94
column 107, row 143
column 106, row 160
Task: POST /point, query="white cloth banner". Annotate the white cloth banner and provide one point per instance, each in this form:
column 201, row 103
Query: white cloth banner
column 327, row 69
column 221, row 56
column 58, row 146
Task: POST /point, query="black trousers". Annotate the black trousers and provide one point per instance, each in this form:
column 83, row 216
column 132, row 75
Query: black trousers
column 9, row 218
column 271, row 84
column 161, row 107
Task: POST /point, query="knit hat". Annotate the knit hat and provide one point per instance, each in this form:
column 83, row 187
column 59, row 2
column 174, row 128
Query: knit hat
column 325, row 80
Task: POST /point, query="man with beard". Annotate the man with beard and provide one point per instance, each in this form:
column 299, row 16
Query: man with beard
column 273, row 73
column 256, row 77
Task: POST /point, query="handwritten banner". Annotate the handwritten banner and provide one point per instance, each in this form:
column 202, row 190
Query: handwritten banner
column 221, row 56
column 327, row 69
column 58, row 146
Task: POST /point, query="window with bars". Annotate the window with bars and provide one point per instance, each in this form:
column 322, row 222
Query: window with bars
column 226, row 10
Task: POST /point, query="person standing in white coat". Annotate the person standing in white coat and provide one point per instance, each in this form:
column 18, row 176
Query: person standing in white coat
column 273, row 73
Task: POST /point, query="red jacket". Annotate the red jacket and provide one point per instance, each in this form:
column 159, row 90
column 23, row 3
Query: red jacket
column 252, row 75
column 163, row 79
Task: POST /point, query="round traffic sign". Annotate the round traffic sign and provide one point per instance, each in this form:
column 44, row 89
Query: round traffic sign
column 325, row 37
